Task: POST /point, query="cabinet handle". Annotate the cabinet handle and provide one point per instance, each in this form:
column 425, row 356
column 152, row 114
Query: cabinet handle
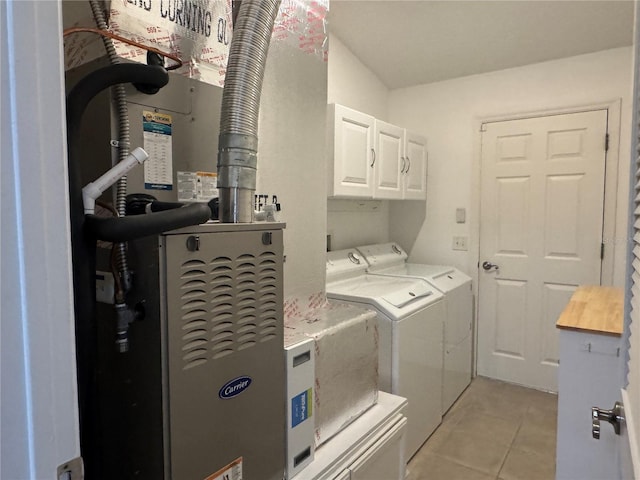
column 408, row 164
column 402, row 167
column 373, row 156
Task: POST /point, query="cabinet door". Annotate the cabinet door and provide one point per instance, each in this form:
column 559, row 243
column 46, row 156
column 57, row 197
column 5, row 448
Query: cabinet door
column 352, row 163
column 385, row 460
column 388, row 161
column 415, row 167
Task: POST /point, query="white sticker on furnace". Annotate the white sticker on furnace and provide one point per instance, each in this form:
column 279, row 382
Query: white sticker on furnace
column 197, row 186
column 233, row 471
column 158, row 169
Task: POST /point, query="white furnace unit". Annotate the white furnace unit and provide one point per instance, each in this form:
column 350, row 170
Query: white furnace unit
column 202, row 388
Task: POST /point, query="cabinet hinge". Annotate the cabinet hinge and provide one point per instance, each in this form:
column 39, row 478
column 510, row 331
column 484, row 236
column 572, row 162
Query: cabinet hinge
column 606, row 142
column 601, row 251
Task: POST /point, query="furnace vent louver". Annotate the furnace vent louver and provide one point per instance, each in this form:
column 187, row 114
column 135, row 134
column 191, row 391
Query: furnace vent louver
column 227, row 305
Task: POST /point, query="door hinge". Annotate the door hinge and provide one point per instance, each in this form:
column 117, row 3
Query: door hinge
column 601, row 251
column 606, row 142
column 71, row 470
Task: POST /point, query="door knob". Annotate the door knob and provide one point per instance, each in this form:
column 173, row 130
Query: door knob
column 615, row 417
column 489, row 266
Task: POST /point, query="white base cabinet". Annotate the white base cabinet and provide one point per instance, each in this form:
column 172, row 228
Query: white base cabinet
column 384, row 460
column 588, row 376
column 371, row 448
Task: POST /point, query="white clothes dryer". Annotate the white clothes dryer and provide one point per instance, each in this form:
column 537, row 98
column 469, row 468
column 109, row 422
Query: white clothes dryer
column 410, row 317
column 389, row 259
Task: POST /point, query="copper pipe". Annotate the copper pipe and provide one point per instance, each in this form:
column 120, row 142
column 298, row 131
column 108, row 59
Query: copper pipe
column 106, row 33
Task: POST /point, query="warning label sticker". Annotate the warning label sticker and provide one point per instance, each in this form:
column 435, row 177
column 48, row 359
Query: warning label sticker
column 233, row 471
column 197, row 186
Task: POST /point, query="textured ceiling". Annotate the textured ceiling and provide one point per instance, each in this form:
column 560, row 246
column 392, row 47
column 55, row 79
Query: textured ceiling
column 408, row 43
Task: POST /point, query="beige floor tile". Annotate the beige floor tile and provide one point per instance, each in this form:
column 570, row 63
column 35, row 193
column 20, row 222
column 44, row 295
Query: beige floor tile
column 513, row 389
column 500, row 404
column 474, row 450
column 543, row 402
column 455, row 413
column 522, row 465
column 462, row 402
column 523, row 395
column 434, row 467
column 536, row 438
column 437, row 438
column 484, row 383
column 502, row 430
column 494, row 428
column 543, row 398
column 544, row 410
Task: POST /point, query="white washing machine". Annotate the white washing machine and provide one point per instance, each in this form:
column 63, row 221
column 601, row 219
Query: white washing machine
column 389, row 259
column 410, row 318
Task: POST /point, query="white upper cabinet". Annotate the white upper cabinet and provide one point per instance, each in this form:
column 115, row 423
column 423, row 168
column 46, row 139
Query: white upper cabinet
column 351, row 171
column 414, row 169
column 370, row 158
column 389, row 151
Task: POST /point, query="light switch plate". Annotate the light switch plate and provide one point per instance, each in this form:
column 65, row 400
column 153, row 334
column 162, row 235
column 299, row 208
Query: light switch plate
column 461, row 215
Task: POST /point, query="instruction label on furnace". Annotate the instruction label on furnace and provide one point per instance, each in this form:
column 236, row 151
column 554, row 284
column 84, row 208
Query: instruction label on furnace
column 197, row 186
column 233, row 471
column 158, row 169
column 301, row 407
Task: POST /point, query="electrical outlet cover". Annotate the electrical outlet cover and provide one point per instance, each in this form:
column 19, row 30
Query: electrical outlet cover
column 460, row 243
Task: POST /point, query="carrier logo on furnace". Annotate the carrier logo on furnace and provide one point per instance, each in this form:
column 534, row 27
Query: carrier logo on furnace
column 234, row 387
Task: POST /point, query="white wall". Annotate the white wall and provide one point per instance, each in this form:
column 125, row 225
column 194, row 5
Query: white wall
column 350, row 83
column 39, row 411
column 357, row 222
column 449, row 112
column 292, row 164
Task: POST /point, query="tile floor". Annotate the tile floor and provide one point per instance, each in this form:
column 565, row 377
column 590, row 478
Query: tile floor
column 494, row 431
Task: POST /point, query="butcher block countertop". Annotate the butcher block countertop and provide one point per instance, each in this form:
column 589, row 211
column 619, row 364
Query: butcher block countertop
column 594, row 309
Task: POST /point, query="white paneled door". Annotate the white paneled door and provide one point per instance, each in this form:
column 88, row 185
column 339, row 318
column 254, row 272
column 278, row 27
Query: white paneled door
column 542, row 193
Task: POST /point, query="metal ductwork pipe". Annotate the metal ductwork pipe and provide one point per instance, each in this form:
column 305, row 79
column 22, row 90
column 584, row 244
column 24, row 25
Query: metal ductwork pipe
column 238, row 141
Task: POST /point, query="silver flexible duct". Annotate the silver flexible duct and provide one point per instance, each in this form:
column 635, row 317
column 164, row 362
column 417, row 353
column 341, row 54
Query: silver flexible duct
column 238, row 141
column 120, row 98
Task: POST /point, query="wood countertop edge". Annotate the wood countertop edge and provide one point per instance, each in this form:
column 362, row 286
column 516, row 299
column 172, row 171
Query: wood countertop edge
column 594, row 309
column 589, row 330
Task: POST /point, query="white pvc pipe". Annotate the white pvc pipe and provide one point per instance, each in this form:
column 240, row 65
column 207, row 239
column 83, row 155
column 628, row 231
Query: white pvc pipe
column 94, row 189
